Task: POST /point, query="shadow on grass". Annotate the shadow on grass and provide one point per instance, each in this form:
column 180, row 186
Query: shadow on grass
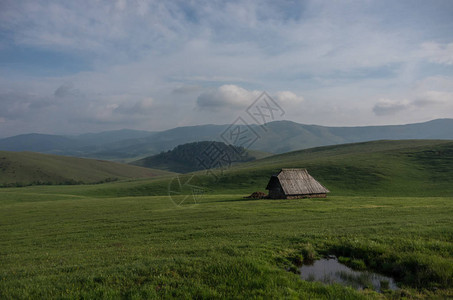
column 212, row 200
column 207, row 199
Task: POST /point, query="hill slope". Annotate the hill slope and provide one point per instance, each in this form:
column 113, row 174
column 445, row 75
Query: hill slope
column 27, row 168
column 380, row 168
column 411, row 167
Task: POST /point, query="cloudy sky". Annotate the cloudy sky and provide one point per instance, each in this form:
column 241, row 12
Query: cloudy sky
column 88, row 66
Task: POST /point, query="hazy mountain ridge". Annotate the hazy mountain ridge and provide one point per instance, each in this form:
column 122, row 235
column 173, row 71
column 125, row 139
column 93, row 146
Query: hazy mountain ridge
column 279, row 137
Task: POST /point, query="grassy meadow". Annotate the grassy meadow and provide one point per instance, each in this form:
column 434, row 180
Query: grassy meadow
column 18, row 169
column 390, row 210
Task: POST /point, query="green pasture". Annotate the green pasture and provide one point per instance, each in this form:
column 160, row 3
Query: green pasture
column 391, row 209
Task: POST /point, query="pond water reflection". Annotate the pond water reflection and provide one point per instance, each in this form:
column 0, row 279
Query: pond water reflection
column 329, row 270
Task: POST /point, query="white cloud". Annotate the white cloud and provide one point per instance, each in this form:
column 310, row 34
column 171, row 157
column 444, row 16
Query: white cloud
column 288, row 98
column 433, row 98
column 428, row 102
column 438, row 53
column 235, row 97
column 124, row 111
column 226, row 96
column 104, row 113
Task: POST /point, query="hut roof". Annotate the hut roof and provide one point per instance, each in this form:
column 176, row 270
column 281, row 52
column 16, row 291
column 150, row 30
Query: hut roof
column 297, row 182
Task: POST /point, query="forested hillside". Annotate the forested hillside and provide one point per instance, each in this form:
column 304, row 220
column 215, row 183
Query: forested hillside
column 198, row 156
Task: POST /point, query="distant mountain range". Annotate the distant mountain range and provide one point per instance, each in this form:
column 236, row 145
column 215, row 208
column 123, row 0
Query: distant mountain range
column 275, row 137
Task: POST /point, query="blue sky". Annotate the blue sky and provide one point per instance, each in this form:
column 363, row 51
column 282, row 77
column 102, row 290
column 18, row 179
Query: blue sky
column 85, row 66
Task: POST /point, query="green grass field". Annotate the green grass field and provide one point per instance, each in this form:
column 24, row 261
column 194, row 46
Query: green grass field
column 391, row 207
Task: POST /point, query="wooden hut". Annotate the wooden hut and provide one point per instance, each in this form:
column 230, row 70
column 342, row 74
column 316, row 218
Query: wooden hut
column 295, row 184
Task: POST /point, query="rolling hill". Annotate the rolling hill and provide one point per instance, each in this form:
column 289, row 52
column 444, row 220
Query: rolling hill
column 410, row 167
column 28, row 168
column 196, row 236
column 378, row 168
column 278, row 137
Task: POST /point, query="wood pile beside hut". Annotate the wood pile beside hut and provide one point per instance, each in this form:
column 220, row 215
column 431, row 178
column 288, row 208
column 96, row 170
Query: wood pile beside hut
column 257, row 195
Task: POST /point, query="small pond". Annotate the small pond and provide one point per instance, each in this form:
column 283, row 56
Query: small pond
column 329, row 270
